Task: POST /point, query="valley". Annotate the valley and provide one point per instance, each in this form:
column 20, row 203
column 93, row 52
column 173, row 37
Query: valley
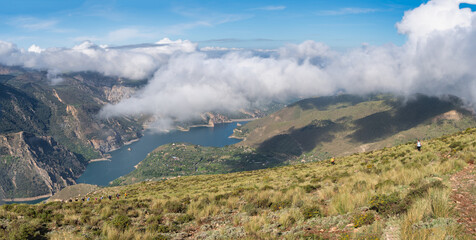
column 397, row 191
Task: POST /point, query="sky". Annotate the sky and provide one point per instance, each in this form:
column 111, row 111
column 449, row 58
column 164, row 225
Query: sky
column 243, row 24
column 225, row 56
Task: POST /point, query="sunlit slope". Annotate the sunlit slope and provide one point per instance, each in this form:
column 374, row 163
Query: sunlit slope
column 345, row 124
column 396, row 191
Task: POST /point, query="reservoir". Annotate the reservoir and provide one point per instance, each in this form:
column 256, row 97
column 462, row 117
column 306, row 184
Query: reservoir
column 123, row 160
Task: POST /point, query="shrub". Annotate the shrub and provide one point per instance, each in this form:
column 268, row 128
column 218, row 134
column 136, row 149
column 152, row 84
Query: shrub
column 161, row 228
column 418, row 193
column 312, row 236
column 184, row 218
column 456, row 146
column 121, row 222
column 275, row 206
column 27, row 230
column 175, row 207
column 250, row 209
column 387, row 182
column 25, row 210
column 154, row 219
column 386, row 204
column 266, row 187
column 263, row 203
column 363, row 219
column 58, row 217
column 222, row 196
column 161, row 237
column 311, row 212
column 310, row 188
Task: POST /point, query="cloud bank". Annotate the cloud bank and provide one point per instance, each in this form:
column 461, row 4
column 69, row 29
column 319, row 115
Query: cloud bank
column 438, row 58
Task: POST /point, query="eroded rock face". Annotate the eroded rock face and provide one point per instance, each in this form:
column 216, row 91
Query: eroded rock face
column 32, row 165
column 117, row 92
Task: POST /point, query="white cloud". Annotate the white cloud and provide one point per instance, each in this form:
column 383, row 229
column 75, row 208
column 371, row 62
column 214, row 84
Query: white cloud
column 35, row 49
column 184, row 81
column 134, row 63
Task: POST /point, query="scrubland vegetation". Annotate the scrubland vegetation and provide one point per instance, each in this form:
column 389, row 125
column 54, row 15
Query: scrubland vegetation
column 394, row 193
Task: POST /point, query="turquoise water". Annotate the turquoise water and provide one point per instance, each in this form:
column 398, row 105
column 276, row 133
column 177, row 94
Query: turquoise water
column 123, row 161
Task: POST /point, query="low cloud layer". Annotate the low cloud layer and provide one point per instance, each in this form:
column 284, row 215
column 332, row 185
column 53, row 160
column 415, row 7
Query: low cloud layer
column 438, row 58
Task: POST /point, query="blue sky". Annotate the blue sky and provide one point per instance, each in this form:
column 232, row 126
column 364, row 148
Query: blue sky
column 245, row 23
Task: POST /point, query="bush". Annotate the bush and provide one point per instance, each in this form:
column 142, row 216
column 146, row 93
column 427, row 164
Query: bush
column 386, row 204
column 184, row 218
column 175, row 207
column 161, row 237
column 27, row 230
column 280, row 205
column 154, row 219
column 311, row 212
column 219, row 197
column 121, row 222
column 363, row 219
column 250, row 209
column 263, row 203
column 25, row 210
column 159, row 228
column 310, row 188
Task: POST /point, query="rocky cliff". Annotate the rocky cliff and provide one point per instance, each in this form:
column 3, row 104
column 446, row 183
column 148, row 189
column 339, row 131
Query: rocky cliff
column 49, row 131
column 33, row 166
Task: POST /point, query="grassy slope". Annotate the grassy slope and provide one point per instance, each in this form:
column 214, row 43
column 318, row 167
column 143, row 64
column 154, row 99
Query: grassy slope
column 310, row 130
column 396, row 191
column 357, row 124
column 173, row 160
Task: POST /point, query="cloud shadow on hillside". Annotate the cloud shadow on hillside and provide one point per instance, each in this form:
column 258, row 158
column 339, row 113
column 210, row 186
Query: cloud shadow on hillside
column 404, row 117
column 323, row 103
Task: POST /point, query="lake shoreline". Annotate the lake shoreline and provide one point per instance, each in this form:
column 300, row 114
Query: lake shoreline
column 7, row 200
column 107, row 157
column 186, row 129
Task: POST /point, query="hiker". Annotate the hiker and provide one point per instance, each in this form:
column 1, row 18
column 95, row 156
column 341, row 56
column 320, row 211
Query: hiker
column 117, row 196
column 110, row 197
column 418, row 145
column 333, row 161
column 125, row 195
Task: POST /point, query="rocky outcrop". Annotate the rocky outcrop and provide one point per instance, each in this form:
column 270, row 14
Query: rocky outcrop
column 117, row 92
column 33, row 165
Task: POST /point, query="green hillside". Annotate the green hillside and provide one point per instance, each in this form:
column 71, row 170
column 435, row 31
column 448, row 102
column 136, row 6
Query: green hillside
column 311, row 130
column 396, row 193
column 345, row 124
column 173, row 160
